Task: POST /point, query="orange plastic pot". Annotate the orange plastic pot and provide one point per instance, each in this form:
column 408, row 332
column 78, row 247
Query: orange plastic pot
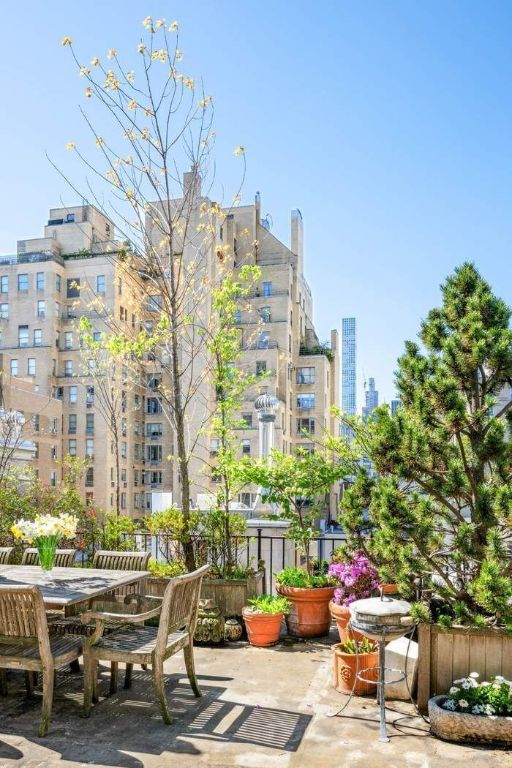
column 263, row 629
column 309, row 614
column 341, row 615
column 345, row 667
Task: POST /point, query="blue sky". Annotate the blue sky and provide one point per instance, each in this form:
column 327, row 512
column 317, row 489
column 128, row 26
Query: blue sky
column 389, row 124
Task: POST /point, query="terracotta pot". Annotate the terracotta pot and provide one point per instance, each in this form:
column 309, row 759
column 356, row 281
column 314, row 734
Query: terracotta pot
column 263, row 629
column 309, row 613
column 388, row 588
column 345, row 666
column 341, row 615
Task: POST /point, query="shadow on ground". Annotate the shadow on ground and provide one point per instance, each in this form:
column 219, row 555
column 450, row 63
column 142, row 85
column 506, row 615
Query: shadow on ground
column 129, row 721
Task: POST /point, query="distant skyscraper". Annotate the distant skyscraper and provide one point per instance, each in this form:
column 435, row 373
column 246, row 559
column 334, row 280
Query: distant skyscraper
column 371, row 397
column 348, row 365
column 394, row 406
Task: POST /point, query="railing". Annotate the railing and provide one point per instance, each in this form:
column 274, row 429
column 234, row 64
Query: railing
column 31, row 258
column 276, row 551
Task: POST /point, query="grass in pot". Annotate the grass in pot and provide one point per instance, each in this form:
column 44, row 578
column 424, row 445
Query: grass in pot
column 309, row 595
column 263, row 617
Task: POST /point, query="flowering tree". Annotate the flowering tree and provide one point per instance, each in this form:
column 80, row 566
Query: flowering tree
column 356, row 579
column 155, row 120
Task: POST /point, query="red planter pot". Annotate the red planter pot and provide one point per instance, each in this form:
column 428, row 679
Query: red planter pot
column 263, row 629
column 341, row 615
column 309, row 613
column 345, row 666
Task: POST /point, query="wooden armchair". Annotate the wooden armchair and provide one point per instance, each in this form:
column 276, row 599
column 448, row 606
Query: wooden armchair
column 136, row 644
column 64, row 558
column 26, row 644
column 5, row 555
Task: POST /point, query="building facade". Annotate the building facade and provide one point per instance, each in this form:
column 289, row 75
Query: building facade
column 76, row 270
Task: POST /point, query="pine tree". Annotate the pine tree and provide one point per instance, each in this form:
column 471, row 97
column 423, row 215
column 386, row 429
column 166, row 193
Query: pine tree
column 440, row 507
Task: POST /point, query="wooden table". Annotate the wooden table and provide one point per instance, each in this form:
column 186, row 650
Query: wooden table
column 68, row 586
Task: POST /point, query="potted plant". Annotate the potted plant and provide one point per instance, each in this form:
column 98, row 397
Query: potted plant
column 473, row 711
column 45, row 532
column 263, row 617
column 355, row 579
column 351, row 657
column 437, row 509
column 297, row 485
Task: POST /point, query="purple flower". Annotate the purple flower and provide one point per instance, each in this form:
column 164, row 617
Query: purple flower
column 355, row 579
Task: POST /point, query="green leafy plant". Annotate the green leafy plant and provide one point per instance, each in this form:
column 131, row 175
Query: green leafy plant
column 358, row 646
column 269, row 604
column 166, row 570
column 489, row 698
column 300, row 578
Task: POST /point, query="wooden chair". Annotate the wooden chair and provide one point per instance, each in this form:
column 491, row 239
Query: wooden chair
column 26, row 644
column 114, row 561
column 5, row 555
column 138, row 644
column 64, row 558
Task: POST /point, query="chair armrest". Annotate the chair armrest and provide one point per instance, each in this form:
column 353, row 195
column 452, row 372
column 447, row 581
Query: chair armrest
column 143, row 602
column 122, row 618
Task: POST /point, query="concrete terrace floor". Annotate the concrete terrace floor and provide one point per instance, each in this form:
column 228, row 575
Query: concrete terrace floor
column 261, row 708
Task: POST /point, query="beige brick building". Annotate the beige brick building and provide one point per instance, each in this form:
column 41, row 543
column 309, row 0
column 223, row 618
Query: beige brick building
column 77, row 269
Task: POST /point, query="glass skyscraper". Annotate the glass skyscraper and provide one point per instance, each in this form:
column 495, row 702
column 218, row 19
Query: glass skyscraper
column 348, row 366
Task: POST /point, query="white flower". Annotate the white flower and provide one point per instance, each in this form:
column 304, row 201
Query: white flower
column 499, row 679
column 463, row 703
column 454, row 689
column 489, row 709
column 466, row 684
column 477, row 709
column 474, row 674
column 449, row 704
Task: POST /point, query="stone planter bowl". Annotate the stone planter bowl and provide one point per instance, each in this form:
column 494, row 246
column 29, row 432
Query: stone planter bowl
column 461, row 727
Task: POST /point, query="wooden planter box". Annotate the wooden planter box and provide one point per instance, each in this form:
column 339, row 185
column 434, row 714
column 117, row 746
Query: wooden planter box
column 445, row 655
column 230, row 595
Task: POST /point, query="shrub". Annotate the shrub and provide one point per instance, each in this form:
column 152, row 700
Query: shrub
column 356, row 579
column 487, row 698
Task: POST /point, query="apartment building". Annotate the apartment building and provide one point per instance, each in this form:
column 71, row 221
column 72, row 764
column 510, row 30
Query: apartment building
column 77, row 269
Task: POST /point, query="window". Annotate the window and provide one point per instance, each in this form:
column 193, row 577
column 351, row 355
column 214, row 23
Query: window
column 261, row 367
column 155, row 478
column 89, row 398
column 68, row 367
column 35, row 422
column 246, row 447
column 41, row 308
column 31, row 366
column 70, row 217
column 123, row 500
column 53, row 426
column 68, row 340
column 237, row 316
column 57, row 339
column 154, row 453
column 23, row 283
column 4, row 284
column 89, row 423
column 40, row 281
column 266, row 314
column 124, row 450
column 89, row 499
column 72, row 447
column 120, row 287
column 89, row 477
column 124, row 427
column 73, row 395
column 58, row 283
column 306, row 400
column 23, row 335
column 267, row 289
column 57, row 309
column 153, row 405
column 4, row 311
column 53, row 452
column 305, row 425
column 38, row 337
column 100, row 284
column 154, row 303
column 89, row 448
column 136, row 451
column 214, row 446
column 53, row 478
column 14, row 367
column 247, row 419
column 72, row 424
column 264, row 340
column 73, row 287
column 305, row 375
column 154, row 431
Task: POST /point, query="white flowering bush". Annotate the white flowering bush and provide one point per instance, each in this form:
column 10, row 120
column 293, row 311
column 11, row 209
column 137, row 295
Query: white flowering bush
column 489, row 698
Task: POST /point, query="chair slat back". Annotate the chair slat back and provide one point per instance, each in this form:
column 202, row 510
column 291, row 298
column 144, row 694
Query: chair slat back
column 5, row 555
column 64, row 558
column 180, row 604
column 22, row 612
column 121, row 561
